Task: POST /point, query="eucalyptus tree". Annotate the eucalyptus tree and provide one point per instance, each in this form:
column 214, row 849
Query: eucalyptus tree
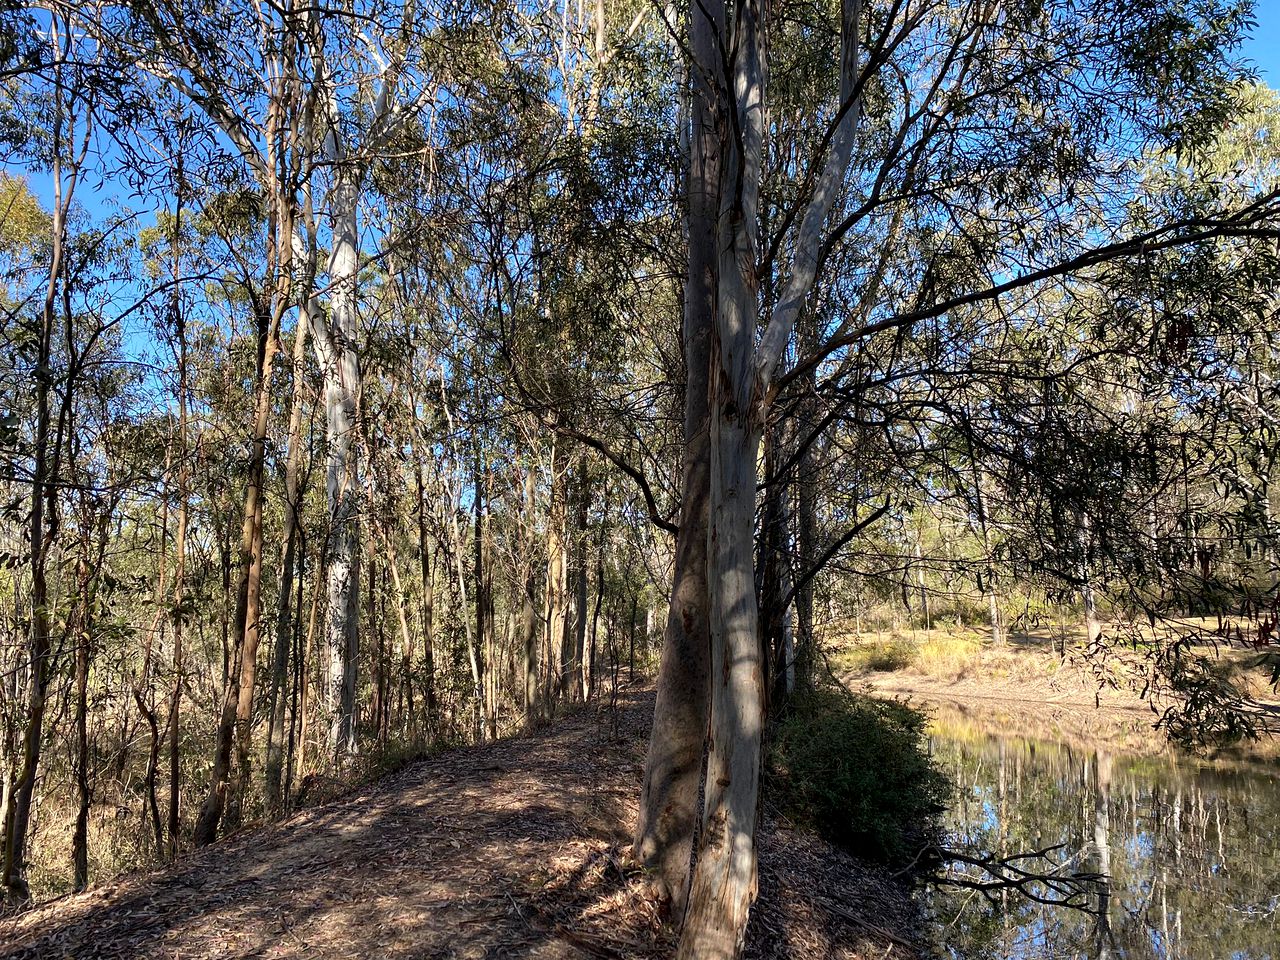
column 68, row 98
column 665, row 827
column 1114, row 411
column 568, row 251
column 996, row 140
column 307, row 98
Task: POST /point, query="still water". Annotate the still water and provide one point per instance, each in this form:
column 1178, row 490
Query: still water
column 1192, row 848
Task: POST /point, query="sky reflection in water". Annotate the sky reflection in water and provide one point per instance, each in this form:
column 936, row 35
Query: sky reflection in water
column 1193, row 849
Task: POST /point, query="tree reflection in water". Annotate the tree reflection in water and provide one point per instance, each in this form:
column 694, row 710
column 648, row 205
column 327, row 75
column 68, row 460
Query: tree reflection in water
column 1191, row 849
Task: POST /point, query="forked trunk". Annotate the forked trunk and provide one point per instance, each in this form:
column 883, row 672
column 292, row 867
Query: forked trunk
column 724, row 882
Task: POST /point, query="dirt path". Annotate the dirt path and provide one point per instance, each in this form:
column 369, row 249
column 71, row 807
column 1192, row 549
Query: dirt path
column 511, row 850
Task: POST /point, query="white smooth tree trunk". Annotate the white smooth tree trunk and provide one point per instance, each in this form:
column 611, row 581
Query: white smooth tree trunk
column 339, row 367
column 724, row 880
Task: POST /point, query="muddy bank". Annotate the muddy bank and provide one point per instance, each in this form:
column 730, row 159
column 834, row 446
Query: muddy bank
column 1048, row 698
column 1123, row 722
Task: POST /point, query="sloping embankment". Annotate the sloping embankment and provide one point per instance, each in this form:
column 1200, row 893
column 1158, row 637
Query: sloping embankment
column 511, row 850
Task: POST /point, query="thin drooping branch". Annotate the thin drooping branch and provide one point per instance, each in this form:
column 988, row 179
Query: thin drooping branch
column 1048, row 884
column 836, row 546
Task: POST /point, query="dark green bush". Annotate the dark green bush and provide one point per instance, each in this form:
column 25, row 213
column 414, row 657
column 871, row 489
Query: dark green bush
column 856, row 770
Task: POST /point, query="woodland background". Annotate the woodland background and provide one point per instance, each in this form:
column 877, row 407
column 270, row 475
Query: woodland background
column 347, row 355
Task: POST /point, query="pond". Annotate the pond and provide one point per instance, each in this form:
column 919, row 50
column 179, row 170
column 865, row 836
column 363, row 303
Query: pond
column 1192, row 848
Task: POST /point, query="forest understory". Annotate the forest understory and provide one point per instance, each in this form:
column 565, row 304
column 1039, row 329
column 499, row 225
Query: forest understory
column 513, row 849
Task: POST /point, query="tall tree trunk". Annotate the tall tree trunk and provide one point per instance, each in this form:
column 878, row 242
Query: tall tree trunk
column 590, row 665
column 664, row 835
column 284, row 602
column 481, row 652
column 528, row 609
column 80, row 837
column 339, row 366
column 177, row 612
column 578, row 576
column 724, row 879
column 142, row 683
column 253, row 587
column 554, row 605
column 406, row 638
column 41, row 530
column 233, row 729
column 458, row 549
column 631, row 637
column 428, row 613
column 304, row 684
column 375, row 610
column 298, row 684
column 179, row 616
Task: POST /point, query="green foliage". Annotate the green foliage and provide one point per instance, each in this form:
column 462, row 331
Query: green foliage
column 1211, row 712
column 855, row 768
column 25, row 225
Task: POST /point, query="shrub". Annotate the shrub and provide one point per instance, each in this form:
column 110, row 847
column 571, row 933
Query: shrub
column 856, row 770
column 883, row 656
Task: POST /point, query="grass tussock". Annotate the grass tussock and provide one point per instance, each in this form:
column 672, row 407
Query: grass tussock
column 948, row 655
column 951, row 655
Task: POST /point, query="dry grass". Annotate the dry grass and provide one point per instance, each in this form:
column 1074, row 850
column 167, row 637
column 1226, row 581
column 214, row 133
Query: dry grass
column 940, row 653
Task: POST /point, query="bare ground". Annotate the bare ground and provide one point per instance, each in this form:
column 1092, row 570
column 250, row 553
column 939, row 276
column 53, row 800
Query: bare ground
column 1026, row 686
column 1031, row 675
column 1073, row 715
column 515, row 849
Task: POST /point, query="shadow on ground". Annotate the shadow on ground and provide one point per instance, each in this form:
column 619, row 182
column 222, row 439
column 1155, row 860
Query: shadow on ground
column 511, row 850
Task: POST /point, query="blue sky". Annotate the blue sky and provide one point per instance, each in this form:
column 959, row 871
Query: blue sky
column 1264, row 46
